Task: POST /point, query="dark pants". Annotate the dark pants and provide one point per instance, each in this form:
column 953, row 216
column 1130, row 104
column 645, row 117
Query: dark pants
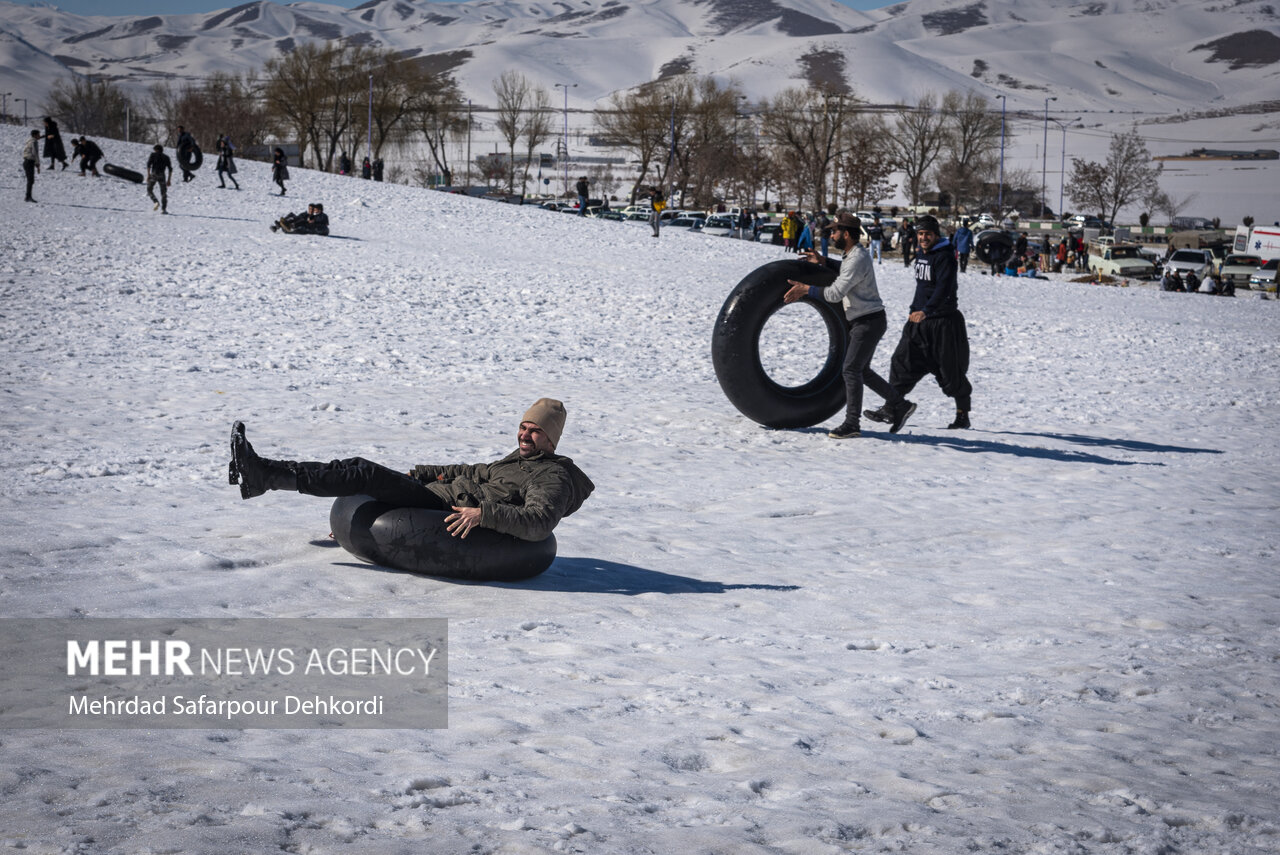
column 29, row 167
column 154, row 181
column 937, row 346
column 964, row 261
column 864, row 335
column 356, row 476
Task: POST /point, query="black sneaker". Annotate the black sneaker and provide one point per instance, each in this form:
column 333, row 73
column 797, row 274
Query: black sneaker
column 900, row 415
column 845, row 431
column 961, row 422
column 884, row 415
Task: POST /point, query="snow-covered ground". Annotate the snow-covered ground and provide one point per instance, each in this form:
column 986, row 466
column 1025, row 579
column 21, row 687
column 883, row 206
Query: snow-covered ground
column 1054, row 633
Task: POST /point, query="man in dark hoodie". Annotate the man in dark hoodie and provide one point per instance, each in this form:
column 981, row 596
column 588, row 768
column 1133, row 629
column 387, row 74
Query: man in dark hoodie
column 525, row 494
column 934, row 340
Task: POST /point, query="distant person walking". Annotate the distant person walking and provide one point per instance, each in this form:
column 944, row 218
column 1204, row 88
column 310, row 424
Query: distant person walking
column 186, row 149
column 226, row 161
column 963, row 239
column 279, row 168
column 657, row 203
column 366, row 169
column 159, row 173
column 875, row 238
column 378, row 167
column 582, row 188
column 31, row 162
column 53, row 147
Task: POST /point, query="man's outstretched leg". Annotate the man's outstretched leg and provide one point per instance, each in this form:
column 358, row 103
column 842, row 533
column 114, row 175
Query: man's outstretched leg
column 254, row 474
column 351, row 477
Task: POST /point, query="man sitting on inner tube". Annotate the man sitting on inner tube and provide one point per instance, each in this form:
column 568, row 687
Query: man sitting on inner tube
column 525, row 494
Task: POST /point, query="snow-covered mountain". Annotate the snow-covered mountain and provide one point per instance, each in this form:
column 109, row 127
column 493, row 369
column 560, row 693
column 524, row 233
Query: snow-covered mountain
column 1149, row 56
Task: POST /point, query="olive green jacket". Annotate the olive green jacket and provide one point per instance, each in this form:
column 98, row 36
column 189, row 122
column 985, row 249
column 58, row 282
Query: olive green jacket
column 521, row 496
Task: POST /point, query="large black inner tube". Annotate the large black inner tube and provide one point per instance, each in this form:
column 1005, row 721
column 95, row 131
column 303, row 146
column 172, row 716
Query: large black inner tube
column 190, row 158
column 993, row 247
column 122, row 172
column 416, row 540
column 735, row 349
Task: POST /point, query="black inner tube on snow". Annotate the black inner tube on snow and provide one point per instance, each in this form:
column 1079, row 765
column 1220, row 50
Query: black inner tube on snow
column 735, row 349
column 993, row 247
column 416, row 540
column 122, row 172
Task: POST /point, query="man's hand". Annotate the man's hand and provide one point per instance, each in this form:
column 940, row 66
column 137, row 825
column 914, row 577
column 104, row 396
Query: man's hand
column 797, row 291
column 462, row 521
column 812, row 256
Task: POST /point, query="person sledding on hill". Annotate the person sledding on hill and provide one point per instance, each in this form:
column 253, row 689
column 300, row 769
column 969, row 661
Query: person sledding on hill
column 89, row 154
column 525, row 494
column 314, row 222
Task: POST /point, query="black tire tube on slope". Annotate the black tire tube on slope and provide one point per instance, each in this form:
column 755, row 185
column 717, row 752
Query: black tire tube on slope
column 416, row 540
column 735, row 349
column 122, row 172
column 993, row 247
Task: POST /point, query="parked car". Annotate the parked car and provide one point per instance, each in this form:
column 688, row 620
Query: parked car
column 1119, row 259
column 608, row 214
column 720, row 225
column 1265, row 278
column 770, row 233
column 691, row 223
column 1087, row 221
column 636, row 217
column 1197, row 261
column 1236, row 269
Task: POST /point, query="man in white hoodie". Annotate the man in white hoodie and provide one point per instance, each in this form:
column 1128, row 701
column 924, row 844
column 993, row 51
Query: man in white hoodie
column 855, row 287
column 31, row 161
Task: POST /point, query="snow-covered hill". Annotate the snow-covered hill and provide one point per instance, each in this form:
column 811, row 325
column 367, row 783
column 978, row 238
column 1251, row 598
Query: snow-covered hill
column 1160, row 56
column 1054, row 633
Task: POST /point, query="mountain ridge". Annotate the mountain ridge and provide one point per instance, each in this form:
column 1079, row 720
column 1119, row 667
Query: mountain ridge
column 1201, row 56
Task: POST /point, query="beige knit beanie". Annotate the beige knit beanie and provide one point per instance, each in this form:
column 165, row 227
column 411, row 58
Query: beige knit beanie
column 548, row 414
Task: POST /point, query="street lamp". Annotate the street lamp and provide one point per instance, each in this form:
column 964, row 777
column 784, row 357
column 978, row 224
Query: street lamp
column 671, row 152
column 1044, row 154
column 1000, row 192
column 1062, row 176
column 565, row 142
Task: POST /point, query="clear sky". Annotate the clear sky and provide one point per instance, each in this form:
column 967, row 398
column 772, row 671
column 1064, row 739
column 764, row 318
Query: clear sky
column 184, row 7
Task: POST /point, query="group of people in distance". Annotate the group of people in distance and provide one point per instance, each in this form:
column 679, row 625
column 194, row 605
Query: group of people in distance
column 83, row 149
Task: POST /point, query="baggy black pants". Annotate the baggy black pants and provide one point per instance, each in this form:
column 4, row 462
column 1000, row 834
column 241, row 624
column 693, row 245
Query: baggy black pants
column 937, row 346
column 29, row 167
column 864, row 334
column 356, row 476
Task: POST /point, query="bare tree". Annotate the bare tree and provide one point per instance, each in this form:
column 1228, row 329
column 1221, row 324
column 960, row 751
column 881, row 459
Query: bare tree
column 514, row 92
column 317, row 92
column 221, row 104
column 916, row 142
column 866, row 162
column 440, row 120
column 1127, row 175
column 804, row 126
column 87, row 106
column 536, row 127
column 970, row 144
column 705, row 149
column 637, row 122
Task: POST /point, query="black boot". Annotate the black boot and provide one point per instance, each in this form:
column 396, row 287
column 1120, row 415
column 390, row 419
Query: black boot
column 254, row 474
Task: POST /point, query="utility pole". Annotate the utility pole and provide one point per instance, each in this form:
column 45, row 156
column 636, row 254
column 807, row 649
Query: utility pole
column 370, row 148
column 564, row 144
column 1000, row 194
column 1044, row 154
